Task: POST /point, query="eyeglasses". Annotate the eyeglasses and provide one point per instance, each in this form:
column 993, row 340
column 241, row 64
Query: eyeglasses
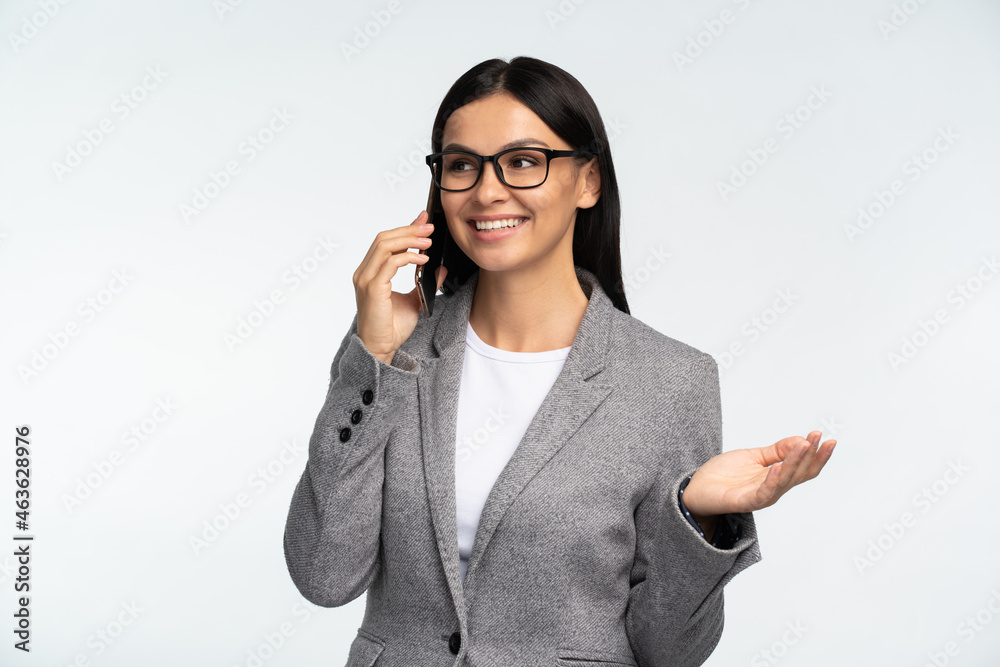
column 456, row 171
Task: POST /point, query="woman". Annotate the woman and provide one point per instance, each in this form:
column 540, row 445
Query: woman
column 530, row 476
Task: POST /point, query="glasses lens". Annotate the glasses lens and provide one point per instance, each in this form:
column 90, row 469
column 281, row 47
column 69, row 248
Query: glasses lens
column 523, row 168
column 456, row 171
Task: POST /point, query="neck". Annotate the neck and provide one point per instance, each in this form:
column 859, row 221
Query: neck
column 528, row 310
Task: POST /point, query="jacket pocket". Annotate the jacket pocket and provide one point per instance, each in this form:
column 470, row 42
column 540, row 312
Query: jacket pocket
column 573, row 658
column 365, row 650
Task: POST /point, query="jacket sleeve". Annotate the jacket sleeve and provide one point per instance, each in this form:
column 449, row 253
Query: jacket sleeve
column 675, row 608
column 332, row 533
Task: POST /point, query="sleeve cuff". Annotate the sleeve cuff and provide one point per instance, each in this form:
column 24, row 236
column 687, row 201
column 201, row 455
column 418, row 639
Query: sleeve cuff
column 727, row 532
column 364, row 397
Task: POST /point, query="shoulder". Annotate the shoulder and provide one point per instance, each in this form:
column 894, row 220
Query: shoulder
column 637, row 344
column 659, row 375
column 670, row 391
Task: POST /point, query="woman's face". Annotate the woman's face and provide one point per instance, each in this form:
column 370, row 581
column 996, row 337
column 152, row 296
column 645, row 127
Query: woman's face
column 488, row 126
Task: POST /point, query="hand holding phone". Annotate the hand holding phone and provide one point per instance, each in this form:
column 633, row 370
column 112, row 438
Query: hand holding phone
column 427, row 277
column 387, row 318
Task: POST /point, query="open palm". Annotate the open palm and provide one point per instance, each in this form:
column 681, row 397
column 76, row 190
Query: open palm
column 745, row 480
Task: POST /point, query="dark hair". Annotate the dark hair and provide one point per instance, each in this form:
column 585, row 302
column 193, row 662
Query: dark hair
column 568, row 109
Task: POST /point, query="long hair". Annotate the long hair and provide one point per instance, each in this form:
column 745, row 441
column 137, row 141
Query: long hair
column 568, row 109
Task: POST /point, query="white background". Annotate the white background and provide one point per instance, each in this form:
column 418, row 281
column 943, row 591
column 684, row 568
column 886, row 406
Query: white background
column 679, row 130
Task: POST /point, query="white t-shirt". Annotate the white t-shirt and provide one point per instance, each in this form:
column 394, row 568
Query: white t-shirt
column 500, row 393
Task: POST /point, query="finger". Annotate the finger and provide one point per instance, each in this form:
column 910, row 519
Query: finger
column 804, row 469
column 419, row 237
column 391, row 266
column 375, row 269
column 808, row 466
column 773, row 453
column 822, row 456
column 780, row 450
column 768, row 492
column 796, row 465
column 395, row 233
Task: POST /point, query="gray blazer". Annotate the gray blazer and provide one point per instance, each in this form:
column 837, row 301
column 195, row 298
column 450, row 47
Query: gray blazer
column 582, row 555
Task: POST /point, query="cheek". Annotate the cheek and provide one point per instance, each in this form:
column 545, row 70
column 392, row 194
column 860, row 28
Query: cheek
column 451, row 206
column 547, row 200
column 561, row 195
column 553, row 205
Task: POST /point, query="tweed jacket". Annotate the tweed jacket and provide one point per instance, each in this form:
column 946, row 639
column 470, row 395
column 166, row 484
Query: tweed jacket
column 582, row 555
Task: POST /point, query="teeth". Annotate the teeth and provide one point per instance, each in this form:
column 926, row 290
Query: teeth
column 497, row 224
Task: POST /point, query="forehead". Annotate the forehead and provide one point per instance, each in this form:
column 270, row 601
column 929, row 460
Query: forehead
column 489, row 123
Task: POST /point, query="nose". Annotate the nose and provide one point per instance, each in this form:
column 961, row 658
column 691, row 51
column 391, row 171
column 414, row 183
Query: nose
column 490, row 187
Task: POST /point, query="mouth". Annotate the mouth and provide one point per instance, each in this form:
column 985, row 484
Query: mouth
column 496, row 225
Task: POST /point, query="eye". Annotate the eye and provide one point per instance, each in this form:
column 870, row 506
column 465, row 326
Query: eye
column 522, row 161
column 461, row 164
column 525, row 159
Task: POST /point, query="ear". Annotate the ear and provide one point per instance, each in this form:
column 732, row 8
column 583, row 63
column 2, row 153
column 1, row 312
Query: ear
column 590, row 180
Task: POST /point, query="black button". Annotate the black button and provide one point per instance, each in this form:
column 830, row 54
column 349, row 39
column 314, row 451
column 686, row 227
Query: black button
column 356, row 416
column 455, row 642
column 367, row 396
column 345, row 434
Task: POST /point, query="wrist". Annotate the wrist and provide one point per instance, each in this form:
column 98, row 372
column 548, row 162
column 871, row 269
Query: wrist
column 705, row 524
column 721, row 530
column 386, row 358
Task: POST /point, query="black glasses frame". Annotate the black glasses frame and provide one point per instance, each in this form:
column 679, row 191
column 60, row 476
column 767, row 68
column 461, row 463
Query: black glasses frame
column 550, row 154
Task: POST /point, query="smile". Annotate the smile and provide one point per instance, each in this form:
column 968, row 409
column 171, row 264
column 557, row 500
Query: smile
column 486, row 225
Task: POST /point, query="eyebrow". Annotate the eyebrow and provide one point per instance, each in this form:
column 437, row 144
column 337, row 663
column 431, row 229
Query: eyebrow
column 526, row 141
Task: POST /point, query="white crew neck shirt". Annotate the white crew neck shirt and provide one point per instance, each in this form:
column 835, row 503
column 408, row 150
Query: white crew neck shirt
column 499, row 394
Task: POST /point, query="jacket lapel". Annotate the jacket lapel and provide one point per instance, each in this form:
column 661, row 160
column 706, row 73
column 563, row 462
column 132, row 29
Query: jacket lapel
column 571, row 400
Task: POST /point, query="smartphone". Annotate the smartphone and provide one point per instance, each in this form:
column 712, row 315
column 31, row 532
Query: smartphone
column 425, row 278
